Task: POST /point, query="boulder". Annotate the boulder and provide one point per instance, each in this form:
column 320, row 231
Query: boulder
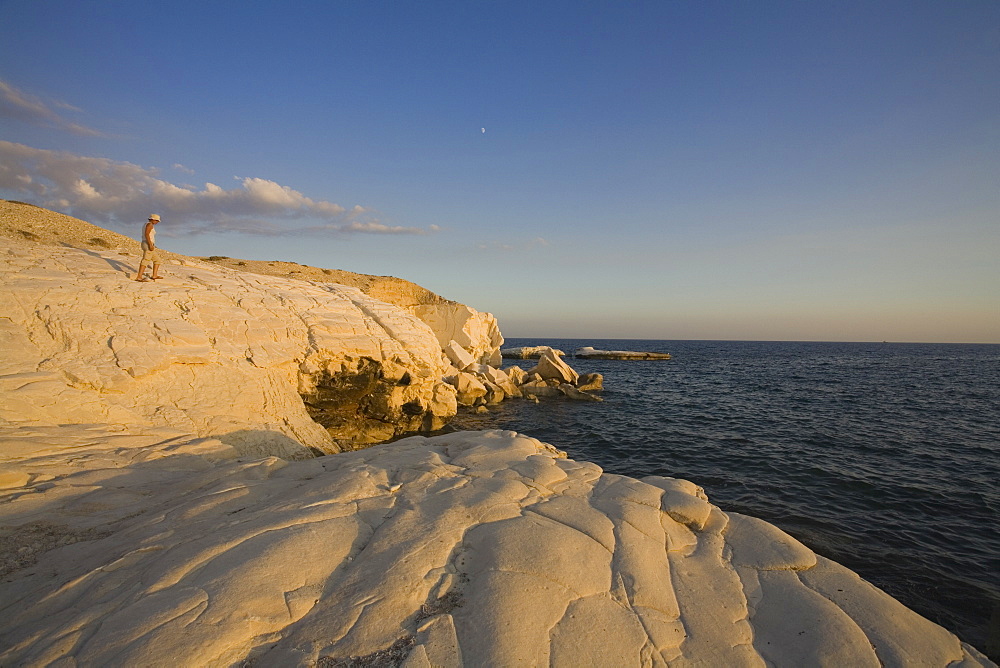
column 494, row 394
column 576, row 394
column 552, row 366
column 590, row 382
column 458, row 355
column 517, row 375
column 539, row 388
column 468, row 389
column 444, row 402
column 494, row 375
column 499, row 378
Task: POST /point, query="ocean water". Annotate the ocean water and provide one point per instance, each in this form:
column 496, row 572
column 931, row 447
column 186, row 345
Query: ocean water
column 884, row 457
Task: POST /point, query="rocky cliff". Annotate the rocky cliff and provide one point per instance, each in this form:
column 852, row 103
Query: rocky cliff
column 217, row 352
column 360, row 356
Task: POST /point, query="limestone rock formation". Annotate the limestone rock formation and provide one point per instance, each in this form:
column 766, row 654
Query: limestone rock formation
column 588, row 352
column 469, row 389
column 459, row 357
column 473, row 548
column 481, row 384
column 478, row 333
column 551, row 366
column 250, row 359
column 528, row 352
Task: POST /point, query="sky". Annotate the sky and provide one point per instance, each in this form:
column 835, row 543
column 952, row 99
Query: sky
column 743, row 170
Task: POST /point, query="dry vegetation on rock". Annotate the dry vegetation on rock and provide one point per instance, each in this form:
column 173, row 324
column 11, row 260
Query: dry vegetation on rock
column 19, row 220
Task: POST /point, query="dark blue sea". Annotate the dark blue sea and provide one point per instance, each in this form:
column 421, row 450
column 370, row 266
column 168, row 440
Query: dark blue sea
column 882, row 456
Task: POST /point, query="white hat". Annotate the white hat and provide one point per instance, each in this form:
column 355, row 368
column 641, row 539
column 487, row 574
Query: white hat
column 155, row 217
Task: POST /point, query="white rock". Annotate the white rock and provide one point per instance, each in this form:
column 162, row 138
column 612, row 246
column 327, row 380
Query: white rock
column 494, row 394
column 145, row 433
column 499, row 378
column 516, row 374
column 468, row 389
column 209, row 351
column 472, row 548
column 529, row 352
column 476, row 332
column 458, row 355
column 589, row 352
column 551, row 366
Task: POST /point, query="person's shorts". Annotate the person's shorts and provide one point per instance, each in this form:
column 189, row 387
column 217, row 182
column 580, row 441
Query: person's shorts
column 151, row 255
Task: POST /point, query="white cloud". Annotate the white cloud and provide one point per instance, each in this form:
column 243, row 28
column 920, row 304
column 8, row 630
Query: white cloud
column 21, row 106
column 119, row 193
column 378, row 228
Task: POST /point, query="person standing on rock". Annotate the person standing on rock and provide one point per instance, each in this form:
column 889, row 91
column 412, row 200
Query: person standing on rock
column 149, row 251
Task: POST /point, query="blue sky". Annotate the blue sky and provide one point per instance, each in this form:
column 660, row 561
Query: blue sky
column 676, row 170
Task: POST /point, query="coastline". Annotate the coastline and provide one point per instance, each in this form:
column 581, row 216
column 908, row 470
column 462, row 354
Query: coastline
column 166, row 514
column 897, row 485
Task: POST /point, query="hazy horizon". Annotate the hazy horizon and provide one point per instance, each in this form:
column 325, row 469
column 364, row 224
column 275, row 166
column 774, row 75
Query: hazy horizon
column 605, row 338
column 661, row 171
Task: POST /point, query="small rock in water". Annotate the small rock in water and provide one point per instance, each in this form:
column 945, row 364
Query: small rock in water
column 590, row 382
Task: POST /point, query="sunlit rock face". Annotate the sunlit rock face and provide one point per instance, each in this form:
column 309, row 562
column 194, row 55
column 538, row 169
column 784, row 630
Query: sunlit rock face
column 212, row 351
column 472, row 548
column 478, row 333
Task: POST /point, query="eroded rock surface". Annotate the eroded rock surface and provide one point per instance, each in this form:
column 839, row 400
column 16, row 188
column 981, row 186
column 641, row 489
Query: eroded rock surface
column 211, row 351
column 473, row 548
column 476, row 332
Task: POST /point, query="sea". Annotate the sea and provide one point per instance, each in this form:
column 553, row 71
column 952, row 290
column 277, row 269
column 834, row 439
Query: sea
column 884, row 457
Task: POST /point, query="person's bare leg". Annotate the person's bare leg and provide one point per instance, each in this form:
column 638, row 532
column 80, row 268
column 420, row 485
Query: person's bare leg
column 156, row 270
column 142, row 270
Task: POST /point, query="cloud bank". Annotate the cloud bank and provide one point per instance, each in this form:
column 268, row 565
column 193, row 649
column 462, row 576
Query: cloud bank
column 20, row 106
column 105, row 191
